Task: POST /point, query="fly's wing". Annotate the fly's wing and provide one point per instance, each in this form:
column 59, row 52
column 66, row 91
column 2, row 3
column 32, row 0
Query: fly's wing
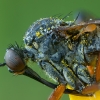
column 83, row 16
column 83, row 22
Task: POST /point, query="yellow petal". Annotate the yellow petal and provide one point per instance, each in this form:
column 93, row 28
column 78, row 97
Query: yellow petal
column 95, row 97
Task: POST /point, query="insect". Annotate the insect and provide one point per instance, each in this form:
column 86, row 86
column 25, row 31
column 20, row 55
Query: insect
column 69, row 53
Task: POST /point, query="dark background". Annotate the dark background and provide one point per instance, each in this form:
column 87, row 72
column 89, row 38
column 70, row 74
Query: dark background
column 15, row 18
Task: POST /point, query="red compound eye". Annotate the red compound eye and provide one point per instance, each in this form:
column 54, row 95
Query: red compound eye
column 14, row 61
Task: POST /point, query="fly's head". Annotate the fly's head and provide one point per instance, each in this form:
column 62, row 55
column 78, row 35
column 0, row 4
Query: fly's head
column 15, row 59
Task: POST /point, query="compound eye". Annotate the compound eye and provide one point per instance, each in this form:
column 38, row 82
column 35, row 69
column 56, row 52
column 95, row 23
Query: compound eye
column 14, row 61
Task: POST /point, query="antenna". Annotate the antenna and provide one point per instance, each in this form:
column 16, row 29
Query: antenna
column 76, row 17
column 66, row 15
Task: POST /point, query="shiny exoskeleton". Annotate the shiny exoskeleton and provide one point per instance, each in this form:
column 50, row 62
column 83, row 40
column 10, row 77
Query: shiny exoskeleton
column 64, row 50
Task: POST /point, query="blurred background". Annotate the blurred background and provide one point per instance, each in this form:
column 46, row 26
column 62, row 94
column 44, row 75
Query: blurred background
column 15, row 18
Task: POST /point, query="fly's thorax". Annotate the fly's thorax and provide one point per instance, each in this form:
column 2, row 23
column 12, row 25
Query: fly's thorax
column 40, row 28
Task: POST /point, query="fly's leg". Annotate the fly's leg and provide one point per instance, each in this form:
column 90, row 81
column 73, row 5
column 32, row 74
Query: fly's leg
column 72, row 79
column 98, row 69
column 82, row 72
column 52, row 71
column 96, row 86
column 91, row 89
column 56, row 75
column 58, row 92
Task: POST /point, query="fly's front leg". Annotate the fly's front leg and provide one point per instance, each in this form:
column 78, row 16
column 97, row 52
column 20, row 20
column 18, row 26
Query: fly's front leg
column 72, row 79
column 54, row 73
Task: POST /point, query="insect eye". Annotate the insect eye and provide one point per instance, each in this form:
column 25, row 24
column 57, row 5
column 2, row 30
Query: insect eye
column 14, row 61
